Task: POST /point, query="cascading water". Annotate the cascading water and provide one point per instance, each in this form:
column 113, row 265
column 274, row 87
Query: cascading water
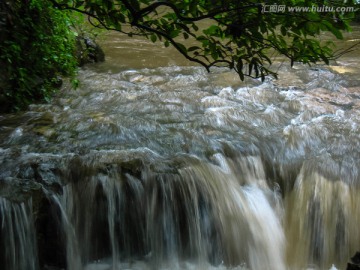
column 175, row 168
column 17, row 235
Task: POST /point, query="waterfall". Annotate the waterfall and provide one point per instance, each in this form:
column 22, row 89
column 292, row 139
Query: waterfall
column 202, row 213
column 171, row 168
column 321, row 223
column 17, row 236
column 72, row 245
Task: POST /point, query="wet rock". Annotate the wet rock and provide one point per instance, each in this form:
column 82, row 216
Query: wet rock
column 356, row 258
column 354, row 263
column 48, row 175
column 57, row 82
column 351, row 266
column 18, row 190
column 50, row 238
column 88, row 51
column 45, row 131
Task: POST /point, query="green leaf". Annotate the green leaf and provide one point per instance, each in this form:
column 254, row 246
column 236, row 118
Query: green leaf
column 250, row 68
column 181, row 47
column 332, row 29
column 239, row 65
column 174, row 33
column 241, row 75
column 79, row 4
column 153, row 38
column 193, row 48
column 213, row 30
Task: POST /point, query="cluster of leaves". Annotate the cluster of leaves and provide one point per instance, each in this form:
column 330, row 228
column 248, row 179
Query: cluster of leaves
column 37, row 46
column 232, row 33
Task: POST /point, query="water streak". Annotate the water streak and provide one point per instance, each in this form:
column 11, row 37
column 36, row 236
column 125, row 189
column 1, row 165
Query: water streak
column 17, row 236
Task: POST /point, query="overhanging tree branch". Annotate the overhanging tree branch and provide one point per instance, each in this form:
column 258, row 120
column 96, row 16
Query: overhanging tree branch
column 211, row 14
column 239, row 36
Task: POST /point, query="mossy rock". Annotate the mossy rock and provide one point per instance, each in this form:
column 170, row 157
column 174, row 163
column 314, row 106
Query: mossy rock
column 88, row 51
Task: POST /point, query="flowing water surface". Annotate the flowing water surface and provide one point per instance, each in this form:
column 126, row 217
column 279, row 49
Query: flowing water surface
column 156, row 164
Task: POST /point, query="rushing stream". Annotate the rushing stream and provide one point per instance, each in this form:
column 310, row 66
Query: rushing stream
column 156, row 164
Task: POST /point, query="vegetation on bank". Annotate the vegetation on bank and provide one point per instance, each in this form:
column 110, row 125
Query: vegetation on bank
column 37, row 47
column 38, row 42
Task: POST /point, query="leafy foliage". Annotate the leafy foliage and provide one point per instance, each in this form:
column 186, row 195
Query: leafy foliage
column 37, row 43
column 37, row 46
column 235, row 34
